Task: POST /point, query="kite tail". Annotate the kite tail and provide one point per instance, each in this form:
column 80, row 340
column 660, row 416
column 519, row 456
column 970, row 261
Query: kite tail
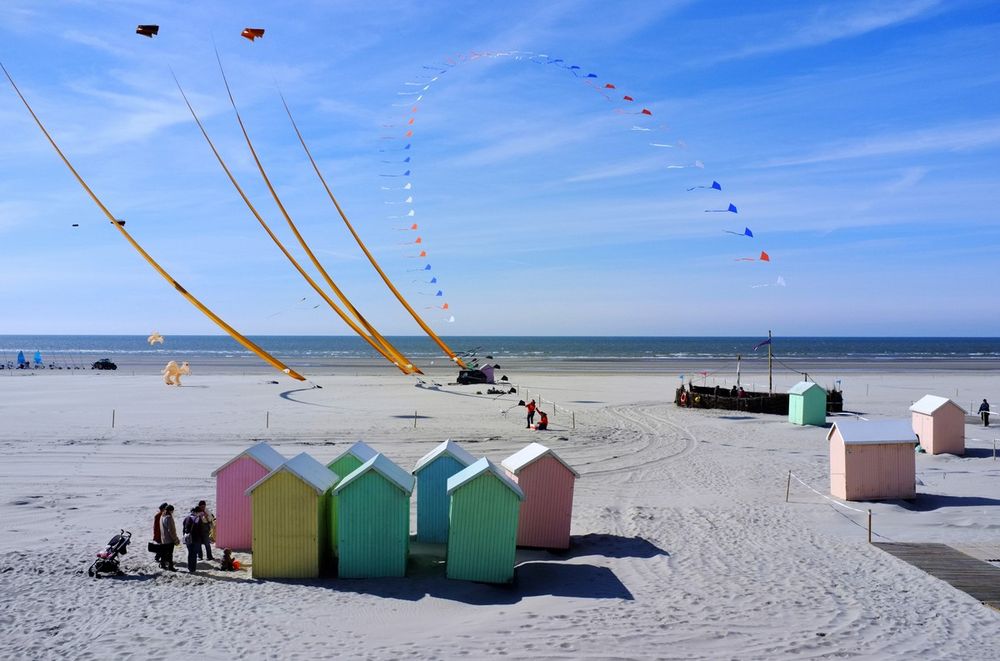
column 416, row 317
column 236, row 335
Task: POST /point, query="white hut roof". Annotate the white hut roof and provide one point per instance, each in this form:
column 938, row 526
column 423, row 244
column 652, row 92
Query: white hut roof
column 384, row 467
column 802, row 386
column 262, row 453
column 307, row 469
column 448, row 447
column 360, row 450
column 527, row 455
column 874, row 432
column 928, row 404
column 484, row 465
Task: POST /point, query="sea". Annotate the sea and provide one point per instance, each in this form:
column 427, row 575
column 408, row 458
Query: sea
column 638, row 352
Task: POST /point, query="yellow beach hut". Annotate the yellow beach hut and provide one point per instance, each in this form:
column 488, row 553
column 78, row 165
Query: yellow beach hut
column 291, row 532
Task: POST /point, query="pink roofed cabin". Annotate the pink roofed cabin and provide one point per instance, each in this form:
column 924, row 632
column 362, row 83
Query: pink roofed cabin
column 547, row 482
column 234, row 520
column 939, row 423
column 872, row 460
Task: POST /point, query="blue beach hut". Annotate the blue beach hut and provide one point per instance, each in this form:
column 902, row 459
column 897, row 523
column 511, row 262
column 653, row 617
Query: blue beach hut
column 432, row 472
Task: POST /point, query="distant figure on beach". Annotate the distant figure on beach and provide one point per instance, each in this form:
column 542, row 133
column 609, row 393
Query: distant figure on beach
column 984, row 412
column 172, row 372
column 158, row 535
column 168, row 536
column 191, row 538
column 543, row 421
column 204, row 530
column 531, row 413
column 741, row 393
column 732, row 393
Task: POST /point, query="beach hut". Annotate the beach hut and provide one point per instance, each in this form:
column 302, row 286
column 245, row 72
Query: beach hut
column 547, row 482
column 234, row 522
column 373, row 511
column 350, row 459
column 807, row 404
column 939, row 423
column 872, row 460
column 432, row 472
column 482, row 530
column 291, row 533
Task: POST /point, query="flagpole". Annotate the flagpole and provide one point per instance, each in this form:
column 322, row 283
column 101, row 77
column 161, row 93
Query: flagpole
column 739, row 360
column 770, row 379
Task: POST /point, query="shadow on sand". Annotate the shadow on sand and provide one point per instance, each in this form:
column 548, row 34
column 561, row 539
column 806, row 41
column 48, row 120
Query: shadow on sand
column 927, row 502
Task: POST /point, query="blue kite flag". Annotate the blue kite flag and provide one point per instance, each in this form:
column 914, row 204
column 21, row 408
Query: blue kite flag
column 746, row 232
column 715, row 186
column 731, row 209
column 761, row 344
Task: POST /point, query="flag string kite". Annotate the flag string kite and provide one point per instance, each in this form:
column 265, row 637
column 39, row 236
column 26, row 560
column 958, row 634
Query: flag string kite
column 236, row 335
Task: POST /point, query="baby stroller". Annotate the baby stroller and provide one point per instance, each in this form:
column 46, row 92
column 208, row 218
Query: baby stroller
column 107, row 560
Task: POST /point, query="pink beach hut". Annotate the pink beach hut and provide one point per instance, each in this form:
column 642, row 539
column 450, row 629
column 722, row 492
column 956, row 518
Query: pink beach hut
column 547, row 482
column 872, row 460
column 234, row 521
column 939, row 423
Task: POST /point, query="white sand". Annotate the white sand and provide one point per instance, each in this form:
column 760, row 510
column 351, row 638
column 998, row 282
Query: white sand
column 684, row 546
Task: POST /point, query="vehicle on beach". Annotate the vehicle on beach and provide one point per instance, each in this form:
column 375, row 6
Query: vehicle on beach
column 104, row 364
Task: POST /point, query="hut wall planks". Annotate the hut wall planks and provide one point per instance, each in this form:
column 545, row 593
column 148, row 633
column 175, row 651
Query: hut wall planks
column 432, row 498
column 373, row 536
column 482, row 538
column 547, row 510
column 234, row 520
column 289, row 540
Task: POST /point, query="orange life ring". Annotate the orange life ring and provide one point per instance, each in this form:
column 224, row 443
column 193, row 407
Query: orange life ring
column 684, row 398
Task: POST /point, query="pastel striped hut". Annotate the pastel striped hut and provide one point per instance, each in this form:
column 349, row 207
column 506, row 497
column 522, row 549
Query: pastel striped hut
column 939, row 423
column 373, row 511
column 807, row 404
column 351, row 459
column 872, row 460
column 547, row 482
column 291, row 528
column 482, row 531
column 432, row 472
column 234, row 521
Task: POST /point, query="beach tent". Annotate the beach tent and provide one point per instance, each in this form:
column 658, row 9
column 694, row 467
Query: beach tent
column 482, row 530
column 350, row 459
column 487, row 371
column 807, row 404
column 432, row 472
column 872, row 460
column 38, row 358
column 291, row 530
column 20, row 358
column 373, row 512
column 939, row 423
column 234, row 521
column 547, row 482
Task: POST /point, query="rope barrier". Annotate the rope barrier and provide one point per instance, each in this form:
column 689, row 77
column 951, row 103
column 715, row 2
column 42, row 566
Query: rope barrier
column 835, row 502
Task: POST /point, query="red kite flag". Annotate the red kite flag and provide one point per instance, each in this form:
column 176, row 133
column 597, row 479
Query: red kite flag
column 252, row 33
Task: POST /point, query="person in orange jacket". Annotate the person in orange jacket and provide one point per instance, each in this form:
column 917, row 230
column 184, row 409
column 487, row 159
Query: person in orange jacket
column 543, row 421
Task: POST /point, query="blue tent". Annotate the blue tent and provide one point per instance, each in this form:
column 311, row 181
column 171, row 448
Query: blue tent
column 38, row 357
column 20, row 358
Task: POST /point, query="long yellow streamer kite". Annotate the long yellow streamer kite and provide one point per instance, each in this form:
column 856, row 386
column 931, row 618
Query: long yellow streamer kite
column 298, row 267
column 274, row 362
column 398, row 358
column 416, row 317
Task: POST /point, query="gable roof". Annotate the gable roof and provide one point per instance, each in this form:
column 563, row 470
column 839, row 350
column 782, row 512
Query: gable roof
column 384, row 467
column 484, row 465
column 801, row 387
column 928, row 404
column 448, row 447
column 360, row 450
column 873, row 432
column 262, row 453
column 307, row 469
column 527, row 455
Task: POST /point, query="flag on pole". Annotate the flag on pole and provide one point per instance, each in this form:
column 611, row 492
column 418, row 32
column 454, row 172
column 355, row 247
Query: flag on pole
column 761, row 344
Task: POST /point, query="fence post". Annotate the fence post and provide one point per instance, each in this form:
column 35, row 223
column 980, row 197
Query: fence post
column 574, row 425
column 112, row 418
column 414, row 419
column 788, row 485
column 267, row 420
column 869, row 526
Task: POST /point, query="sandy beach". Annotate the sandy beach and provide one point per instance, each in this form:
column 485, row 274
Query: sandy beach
column 683, row 544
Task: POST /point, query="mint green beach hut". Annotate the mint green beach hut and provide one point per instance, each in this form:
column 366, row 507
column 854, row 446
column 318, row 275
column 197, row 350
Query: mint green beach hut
column 807, row 404
column 432, row 472
column 482, row 530
column 350, row 459
column 373, row 511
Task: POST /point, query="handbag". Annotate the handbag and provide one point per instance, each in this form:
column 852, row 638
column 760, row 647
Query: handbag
column 153, row 547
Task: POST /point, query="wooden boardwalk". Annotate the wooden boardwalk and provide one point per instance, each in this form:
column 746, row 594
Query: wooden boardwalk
column 963, row 572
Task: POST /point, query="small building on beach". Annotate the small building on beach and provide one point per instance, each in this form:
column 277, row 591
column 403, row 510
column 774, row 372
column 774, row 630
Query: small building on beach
column 872, row 460
column 291, row 529
column 432, row 472
column 234, row 521
column 807, row 404
column 373, row 520
column 482, row 530
column 547, row 482
column 350, row 459
column 939, row 423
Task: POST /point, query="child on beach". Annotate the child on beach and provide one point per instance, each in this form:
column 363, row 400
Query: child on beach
column 531, row 413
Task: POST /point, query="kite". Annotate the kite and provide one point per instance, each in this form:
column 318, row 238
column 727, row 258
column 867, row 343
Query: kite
column 764, row 257
column 696, row 164
column 715, row 186
column 76, row 224
column 746, row 232
column 406, row 229
column 405, row 174
column 426, row 268
column 780, row 282
column 236, row 335
column 252, row 33
column 731, row 209
column 155, row 338
column 147, row 30
column 628, row 98
column 173, row 372
column 679, row 145
column 408, row 186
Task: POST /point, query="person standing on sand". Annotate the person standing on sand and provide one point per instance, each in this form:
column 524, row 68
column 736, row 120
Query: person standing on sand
column 984, row 412
column 190, row 539
column 203, row 530
column 168, row 537
column 158, row 535
column 531, row 413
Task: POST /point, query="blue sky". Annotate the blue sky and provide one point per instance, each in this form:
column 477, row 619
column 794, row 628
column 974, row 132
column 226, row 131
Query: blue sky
column 859, row 140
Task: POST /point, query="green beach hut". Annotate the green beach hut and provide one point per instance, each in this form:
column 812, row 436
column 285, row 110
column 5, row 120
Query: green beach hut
column 807, row 404
column 432, row 472
column 373, row 511
column 290, row 510
column 351, row 459
column 482, row 531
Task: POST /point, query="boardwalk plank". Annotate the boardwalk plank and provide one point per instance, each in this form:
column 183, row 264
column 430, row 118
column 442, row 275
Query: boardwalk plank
column 976, row 578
